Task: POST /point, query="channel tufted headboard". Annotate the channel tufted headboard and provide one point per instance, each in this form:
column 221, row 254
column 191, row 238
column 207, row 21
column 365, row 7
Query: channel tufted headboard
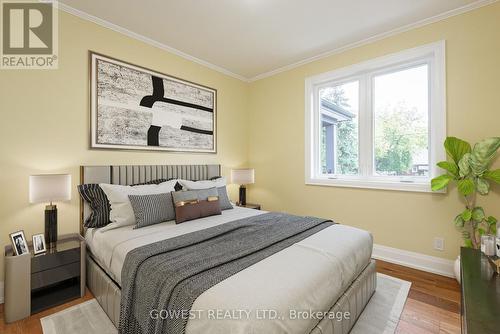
column 131, row 174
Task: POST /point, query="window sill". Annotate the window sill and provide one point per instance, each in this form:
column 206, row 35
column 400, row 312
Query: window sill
column 374, row 184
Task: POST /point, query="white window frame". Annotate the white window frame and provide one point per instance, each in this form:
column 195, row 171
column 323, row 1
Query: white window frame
column 431, row 54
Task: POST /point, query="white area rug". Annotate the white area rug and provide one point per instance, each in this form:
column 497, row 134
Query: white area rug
column 381, row 315
column 84, row 318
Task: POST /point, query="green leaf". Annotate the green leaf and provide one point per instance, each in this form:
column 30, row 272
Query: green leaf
column 493, row 175
column 464, row 165
column 466, row 186
column 440, row 182
column 468, row 243
column 456, row 148
column 482, row 186
column 481, row 231
column 467, row 215
column 459, row 222
column 491, row 220
column 478, row 214
column 482, row 154
column 449, row 166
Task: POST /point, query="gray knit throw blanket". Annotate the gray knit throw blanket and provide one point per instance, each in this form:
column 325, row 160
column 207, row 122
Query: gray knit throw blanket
column 171, row 274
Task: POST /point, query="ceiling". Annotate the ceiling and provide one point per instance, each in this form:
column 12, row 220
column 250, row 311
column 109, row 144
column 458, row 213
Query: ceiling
column 250, row 38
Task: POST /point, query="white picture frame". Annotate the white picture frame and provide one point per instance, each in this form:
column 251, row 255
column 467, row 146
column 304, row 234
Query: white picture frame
column 19, row 243
column 39, row 245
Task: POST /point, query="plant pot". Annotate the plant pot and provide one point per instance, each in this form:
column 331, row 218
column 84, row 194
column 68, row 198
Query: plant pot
column 456, row 269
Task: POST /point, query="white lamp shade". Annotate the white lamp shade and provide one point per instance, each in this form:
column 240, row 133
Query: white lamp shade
column 243, row 176
column 50, row 188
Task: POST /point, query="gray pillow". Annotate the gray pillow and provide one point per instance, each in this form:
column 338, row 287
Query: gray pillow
column 218, row 182
column 224, row 202
column 198, row 194
column 152, row 209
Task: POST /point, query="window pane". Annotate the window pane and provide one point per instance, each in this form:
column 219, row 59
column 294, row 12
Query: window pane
column 401, row 108
column 339, row 129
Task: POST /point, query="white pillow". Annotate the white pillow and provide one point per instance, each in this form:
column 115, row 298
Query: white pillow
column 206, row 184
column 121, row 213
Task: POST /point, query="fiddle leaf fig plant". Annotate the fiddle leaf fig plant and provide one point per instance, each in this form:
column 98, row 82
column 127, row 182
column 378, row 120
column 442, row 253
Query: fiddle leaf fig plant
column 469, row 168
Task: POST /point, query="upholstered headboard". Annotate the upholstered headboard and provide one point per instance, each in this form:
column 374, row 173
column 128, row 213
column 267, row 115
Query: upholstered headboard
column 131, row 174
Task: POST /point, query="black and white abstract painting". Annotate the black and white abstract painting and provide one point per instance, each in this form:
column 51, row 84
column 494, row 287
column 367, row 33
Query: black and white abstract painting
column 136, row 108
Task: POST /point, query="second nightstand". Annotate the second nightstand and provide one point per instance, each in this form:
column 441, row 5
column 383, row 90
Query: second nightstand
column 250, row 206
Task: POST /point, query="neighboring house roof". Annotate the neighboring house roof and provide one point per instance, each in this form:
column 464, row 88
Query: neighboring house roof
column 335, row 111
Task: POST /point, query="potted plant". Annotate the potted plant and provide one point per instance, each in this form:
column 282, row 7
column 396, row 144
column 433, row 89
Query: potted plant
column 469, row 168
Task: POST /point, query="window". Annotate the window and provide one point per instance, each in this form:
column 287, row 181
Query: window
column 401, row 125
column 378, row 124
column 339, row 129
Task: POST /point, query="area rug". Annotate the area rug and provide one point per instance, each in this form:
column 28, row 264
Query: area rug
column 381, row 315
column 84, row 318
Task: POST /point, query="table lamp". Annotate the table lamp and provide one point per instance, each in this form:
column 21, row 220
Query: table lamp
column 243, row 177
column 50, row 188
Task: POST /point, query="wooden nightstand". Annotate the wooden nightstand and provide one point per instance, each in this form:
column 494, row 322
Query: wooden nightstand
column 36, row 282
column 250, row 206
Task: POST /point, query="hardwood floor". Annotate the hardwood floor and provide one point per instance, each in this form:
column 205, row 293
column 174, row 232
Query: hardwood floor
column 32, row 325
column 433, row 305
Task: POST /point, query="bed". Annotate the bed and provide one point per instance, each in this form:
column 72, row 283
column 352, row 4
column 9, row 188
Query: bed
column 330, row 271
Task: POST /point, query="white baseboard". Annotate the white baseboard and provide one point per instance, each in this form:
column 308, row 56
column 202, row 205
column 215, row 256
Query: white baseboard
column 432, row 264
column 1, row 292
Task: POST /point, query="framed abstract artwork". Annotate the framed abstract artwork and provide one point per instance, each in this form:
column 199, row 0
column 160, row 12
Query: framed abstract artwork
column 135, row 108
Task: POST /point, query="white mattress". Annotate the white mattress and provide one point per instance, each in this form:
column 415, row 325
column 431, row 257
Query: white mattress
column 310, row 275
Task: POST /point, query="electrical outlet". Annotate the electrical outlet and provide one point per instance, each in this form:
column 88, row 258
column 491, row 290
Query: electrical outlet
column 439, row 243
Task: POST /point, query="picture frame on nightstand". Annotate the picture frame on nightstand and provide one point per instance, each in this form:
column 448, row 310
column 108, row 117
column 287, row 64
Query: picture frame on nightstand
column 39, row 245
column 19, row 243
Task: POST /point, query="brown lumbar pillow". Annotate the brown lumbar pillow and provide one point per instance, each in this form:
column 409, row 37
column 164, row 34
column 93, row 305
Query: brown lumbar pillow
column 194, row 204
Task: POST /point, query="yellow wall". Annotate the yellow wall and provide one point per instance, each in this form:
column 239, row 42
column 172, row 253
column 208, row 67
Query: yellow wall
column 403, row 220
column 44, row 125
column 44, row 129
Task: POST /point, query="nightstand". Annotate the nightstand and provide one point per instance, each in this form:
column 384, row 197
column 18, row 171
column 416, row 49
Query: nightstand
column 250, row 206
column 36, row 282
column 480, row 306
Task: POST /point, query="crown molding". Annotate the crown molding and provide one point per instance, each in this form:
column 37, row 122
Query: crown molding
column 418, row 24
column 147, row 40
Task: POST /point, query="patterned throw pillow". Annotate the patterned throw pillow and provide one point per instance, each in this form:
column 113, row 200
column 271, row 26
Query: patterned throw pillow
column 152, row 209
column 96, row 198
column 93, row 194
column 178, row 186
column 157, row 181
